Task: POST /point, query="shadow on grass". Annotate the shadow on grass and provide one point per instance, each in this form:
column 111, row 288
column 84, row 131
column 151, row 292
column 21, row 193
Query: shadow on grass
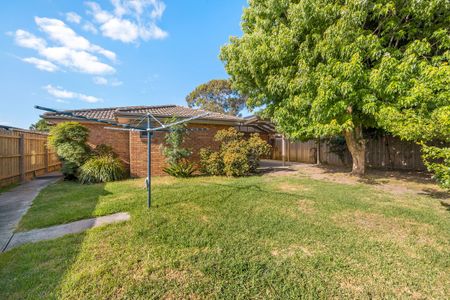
column 436, row 194
column 36, row 270
column 446, row 205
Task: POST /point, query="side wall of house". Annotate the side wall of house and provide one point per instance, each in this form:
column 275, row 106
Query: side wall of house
column 194, row 141
column 118, row 140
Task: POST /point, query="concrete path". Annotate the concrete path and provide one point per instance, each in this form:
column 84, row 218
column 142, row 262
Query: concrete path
column 15, row 203
column 57, row 231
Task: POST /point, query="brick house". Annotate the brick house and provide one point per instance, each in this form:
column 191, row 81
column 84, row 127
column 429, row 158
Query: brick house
column 131, row 146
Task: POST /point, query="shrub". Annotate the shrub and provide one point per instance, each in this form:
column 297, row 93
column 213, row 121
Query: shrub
column 176, row 155
column 69, row 140
column 237, row 156
column 70, row 170
column 211, row 162
column 236, row 159
column 104, row 150
column 437, row 161
column 183, row 169
column 257, row 148
column 104, row 168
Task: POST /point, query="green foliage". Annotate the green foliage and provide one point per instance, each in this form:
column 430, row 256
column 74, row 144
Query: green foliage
column 181, row 169
column 69, row 169
column 173, row 149
column 217, row 96
column 176, row 155
column 211, row 162
column 40, row 125
column 437, row 161
column 69, row 139
column 320, row 68
column 104, row 168
column 104, row 150
column 237, row 156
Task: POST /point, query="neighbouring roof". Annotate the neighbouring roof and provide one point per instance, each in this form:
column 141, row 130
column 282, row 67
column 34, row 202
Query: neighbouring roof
column 162, row 111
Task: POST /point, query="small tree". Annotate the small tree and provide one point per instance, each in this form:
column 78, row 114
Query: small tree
column 69, row 139
column 176, row 155
column 217, row 96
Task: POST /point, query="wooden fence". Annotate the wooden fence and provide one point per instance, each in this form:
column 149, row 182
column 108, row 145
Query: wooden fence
column 24, row 155
column 385, row 152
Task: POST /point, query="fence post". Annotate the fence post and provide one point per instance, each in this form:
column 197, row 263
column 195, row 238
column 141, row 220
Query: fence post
column 46, row 157
column 22, row 157
column 318, row 152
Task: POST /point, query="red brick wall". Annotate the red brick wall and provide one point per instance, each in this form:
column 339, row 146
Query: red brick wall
column 194, row 141
column 118, row 140
column 132, row 149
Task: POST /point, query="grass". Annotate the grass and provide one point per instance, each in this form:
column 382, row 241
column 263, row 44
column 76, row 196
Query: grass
column 257, row 237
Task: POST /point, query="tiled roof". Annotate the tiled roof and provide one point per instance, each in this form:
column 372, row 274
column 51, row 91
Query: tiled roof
column 162, row 111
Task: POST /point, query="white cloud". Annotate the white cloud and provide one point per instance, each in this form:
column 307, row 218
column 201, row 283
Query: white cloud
column 62, row 94
column 65, row 36
column 100, row 80
column 122, row 30
column 69, row 50
column 103, row 81
column 89, row 27
column 130, row 20
column 80, row 61
column 73, row 17
column 41, row 64
column 28, row 40
column 116, row 82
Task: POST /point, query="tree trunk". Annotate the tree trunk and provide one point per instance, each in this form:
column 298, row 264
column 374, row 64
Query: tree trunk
column 357, row 147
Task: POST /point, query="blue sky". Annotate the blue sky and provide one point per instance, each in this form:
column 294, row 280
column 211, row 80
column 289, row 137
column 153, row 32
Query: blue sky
column 83, row 54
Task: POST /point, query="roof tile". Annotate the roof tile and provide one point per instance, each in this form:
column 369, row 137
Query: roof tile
column 163, row 111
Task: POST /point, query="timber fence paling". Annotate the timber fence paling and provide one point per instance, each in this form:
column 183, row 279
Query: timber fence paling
column 382, row 152
column 25, row 154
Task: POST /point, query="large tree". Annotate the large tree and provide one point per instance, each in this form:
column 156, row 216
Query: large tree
column 328, row 67
column 217, row 96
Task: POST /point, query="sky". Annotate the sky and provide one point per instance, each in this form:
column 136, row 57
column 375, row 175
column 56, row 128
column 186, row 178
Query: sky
column 89, row 54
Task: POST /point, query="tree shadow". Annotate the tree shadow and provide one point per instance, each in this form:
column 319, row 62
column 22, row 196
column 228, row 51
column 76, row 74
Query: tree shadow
column 446, row 205
column 436, row 194
column 38, row 269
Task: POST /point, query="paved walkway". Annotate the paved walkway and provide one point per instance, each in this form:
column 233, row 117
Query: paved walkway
column 15, row 203
column 57, row 231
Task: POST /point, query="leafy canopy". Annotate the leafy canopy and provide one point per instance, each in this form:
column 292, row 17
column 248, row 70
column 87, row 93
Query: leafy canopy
column 321, row 67
column 217, row 96
column 40, row 125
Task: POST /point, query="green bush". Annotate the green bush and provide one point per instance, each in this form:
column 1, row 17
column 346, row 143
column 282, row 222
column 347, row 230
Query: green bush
column 211, row 162
column 104, row 168
column 104, row 150
column 176, row 155
column 70, row 170
column 236, row 159
column 182, row 169
column 437, row 161
column 237, row 156
column 69, row 140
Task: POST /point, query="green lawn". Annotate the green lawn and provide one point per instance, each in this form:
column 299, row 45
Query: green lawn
column 257, row 237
